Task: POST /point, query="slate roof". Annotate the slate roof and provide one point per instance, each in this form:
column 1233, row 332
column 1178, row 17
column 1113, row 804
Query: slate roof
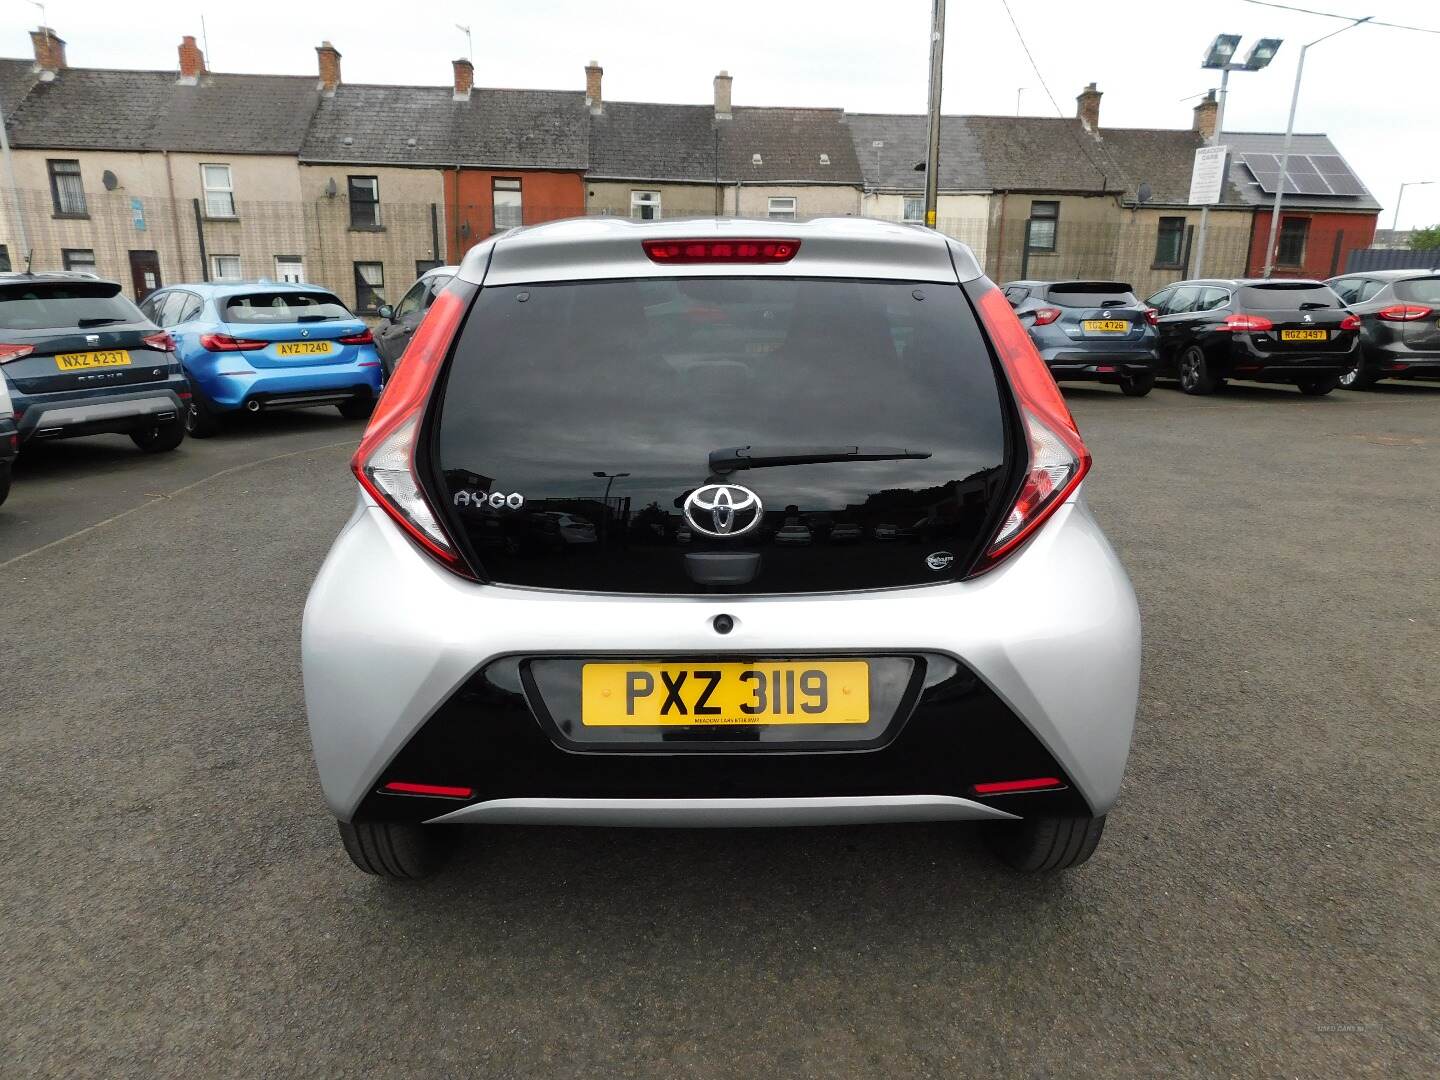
column 15, row 79
column 101, row 109
column 790, row 143
column 540, row 129
column 903, row 142
column 644, row 141
column 1248, row 191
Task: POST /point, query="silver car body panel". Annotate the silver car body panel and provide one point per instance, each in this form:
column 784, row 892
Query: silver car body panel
column 724, row 813
column 389, row 635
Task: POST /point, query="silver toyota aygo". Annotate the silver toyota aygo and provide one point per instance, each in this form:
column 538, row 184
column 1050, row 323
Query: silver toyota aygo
column 720, row 523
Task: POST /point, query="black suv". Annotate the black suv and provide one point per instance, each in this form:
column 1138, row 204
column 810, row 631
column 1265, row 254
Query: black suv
column 1284, row 331
column 1092, row 331
column 1399, row 313
column 78, row 358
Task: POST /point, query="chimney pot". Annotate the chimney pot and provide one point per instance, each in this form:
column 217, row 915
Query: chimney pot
column 1087, row 107
column 49, row 52
column 1205, row 115
column 593, row 98
column 192, row 61
column 722, row 95
column 464, row 78
column 329, row 58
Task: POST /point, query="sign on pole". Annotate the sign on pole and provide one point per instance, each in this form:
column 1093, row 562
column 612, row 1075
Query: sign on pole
column 1207, row 179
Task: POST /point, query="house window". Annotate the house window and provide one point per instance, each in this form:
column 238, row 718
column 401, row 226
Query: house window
column 506, row 207
column 290, row 268
column 81, row 259
column 225, row 268
column 4, row 259
column 645, row 205
column 1293, row 234
column 66, row 190
column 1044, row 217
column 914, row 209
column 369, row 286
column 424, row 266
column 364, row 202
column 781, row 208
column 219, row 191
column 1169, row 242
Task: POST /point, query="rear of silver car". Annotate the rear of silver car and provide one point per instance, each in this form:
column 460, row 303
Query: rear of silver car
column 695, row 390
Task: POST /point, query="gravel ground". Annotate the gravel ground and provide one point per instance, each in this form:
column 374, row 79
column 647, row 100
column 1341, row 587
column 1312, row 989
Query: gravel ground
column 175, row 900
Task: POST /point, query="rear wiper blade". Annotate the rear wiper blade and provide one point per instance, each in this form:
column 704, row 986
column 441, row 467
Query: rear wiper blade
column 100, row 322
column 1311, row 305
column 732, row 458
column 315, row 318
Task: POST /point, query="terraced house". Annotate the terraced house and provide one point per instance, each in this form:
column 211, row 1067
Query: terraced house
column 155, row 177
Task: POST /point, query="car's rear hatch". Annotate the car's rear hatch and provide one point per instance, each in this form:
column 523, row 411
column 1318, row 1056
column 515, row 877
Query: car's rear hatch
column 1305, row 317
column 76, row 334
column 285, row 329
column 872, row 402
column 1422, row 333
column 1098, row 314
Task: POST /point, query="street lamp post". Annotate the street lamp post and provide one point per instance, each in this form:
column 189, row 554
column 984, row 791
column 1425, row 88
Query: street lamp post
column 932, row 149
column 1395, row 225
column 1218, row 58
column 609, row 479
column 1285, row 152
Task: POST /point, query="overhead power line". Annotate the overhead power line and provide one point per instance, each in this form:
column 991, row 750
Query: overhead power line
column 1347, row 18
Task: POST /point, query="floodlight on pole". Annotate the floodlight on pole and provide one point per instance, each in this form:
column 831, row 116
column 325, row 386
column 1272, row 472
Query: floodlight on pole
column 1220, row 51
column 1261, row 53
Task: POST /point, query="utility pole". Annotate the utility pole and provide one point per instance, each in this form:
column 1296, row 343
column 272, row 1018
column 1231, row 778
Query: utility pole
column 1214, row 141
column 932, row 153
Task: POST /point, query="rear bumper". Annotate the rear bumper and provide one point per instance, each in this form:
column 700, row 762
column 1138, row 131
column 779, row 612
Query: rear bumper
column 408, row 668
column 68, row 415
column 1108, row 365
column 322, row 384
column 1261, row 365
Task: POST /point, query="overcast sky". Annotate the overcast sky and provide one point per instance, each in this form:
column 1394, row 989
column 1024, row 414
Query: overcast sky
column 1372, row 89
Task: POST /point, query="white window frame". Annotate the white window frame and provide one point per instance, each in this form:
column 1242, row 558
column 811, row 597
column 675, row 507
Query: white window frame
column 217, row 274
column 293, row 264
column 505, row 212
column 782, row 207
column 79, row 265
column 641, row 199
column 918, row 202
column 219, row 198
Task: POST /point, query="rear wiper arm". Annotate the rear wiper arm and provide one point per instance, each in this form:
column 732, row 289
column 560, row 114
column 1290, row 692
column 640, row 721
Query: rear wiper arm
column 100, row 322
column 733, row 458
column 1311, row 305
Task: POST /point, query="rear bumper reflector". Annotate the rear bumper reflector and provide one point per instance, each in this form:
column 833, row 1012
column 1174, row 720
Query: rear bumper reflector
column 440, row 791
column 1005, row 787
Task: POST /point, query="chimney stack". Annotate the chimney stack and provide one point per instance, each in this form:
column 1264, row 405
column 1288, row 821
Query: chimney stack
column 722, row 95
column 49, row 52
column 464, row 78
column 593, row 74
column 329, row 67
column 1205, row 115
column 1087, row 107
column 192, row 61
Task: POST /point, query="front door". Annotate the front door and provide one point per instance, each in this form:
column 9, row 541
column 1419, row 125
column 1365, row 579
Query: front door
column 144, row 273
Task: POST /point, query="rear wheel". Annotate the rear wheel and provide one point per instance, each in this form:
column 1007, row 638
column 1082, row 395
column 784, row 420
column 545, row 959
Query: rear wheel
column 1360, row 377
column 1195, row 376
column 4, row 480
column 1137, row 385
column 400, row 850
column 1037, row 845
column 357, row 408
column 160, row 437
column 1317, row 387
column 201, row 421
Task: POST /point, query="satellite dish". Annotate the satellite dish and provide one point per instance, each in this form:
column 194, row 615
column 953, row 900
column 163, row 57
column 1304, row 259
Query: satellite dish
column 1144, row 194
column 330, row 189
column 109, row 179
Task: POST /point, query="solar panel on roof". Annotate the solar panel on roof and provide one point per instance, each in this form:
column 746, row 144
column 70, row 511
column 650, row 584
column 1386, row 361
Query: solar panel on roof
column 1305, row 174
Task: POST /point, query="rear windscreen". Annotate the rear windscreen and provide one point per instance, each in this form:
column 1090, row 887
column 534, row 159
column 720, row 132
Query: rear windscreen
column 284, row 307
column 1091, row 294
column 1286, row 297
column 1419, row 290
column 46, row 305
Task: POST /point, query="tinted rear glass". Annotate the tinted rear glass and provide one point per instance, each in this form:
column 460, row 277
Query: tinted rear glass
column 1419, row 290
column 1091, row 294
column 46, row 305
column 1285, row 297
column 284, row 307
column 569, row 393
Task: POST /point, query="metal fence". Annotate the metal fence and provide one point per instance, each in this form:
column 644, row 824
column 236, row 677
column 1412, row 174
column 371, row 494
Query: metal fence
column 1391, row 259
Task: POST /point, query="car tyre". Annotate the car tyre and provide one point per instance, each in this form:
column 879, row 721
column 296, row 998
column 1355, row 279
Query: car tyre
column 1042, row 844
column 1318, row 387
column 357, row 408
column 4, row 480
column 201, row 421
column 1360, row 377
column 1195, row 375
column 400, row 850
column 1137, row 385
column 159, row 438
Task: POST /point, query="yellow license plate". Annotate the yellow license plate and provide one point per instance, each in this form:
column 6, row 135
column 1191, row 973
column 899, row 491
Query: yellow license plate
column 79, row 361
column 701, row 694
column 1304, row 335
column 1106, row 326
column 303, row 348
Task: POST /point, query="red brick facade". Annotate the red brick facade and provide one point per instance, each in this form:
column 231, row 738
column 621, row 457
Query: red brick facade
column 1330, row 238
column 469, row 206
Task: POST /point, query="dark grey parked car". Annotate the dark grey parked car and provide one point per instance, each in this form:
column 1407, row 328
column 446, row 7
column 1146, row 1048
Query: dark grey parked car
column 1091, row 331
column 1399, row 314
column 401, row 320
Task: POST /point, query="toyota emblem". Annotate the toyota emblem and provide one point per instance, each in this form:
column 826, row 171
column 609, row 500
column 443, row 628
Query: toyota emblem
column 722, row 509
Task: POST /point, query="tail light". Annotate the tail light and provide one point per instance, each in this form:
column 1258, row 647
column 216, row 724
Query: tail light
column 1393, row 313
column 14, row 352
column 1046, row 315
column 1057, row 459
column 1246, row 324
column 385, row 462
column 162, row 341
column 1152, row 316
column 720, row 251
column 1350, row 322
column 226, row 343
column 364, row 337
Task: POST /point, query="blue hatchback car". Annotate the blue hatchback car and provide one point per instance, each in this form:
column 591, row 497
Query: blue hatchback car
column 261, row 345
